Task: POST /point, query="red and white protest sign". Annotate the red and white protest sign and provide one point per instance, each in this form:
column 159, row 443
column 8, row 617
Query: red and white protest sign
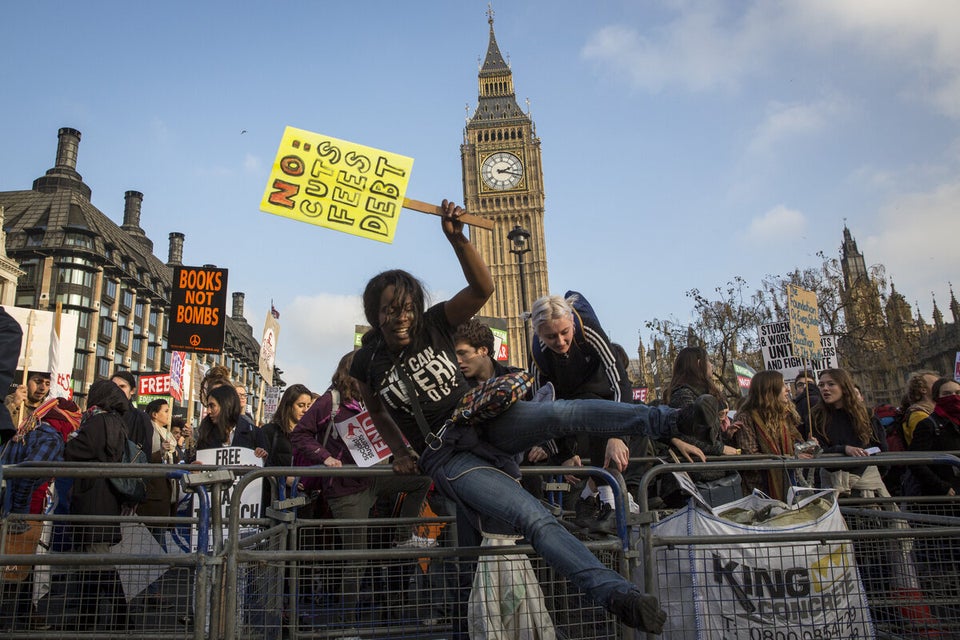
column 154, row 385
column 61, row 386
column 364, row 441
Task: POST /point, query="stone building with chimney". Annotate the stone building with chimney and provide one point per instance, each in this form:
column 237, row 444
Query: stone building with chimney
column 70, row 252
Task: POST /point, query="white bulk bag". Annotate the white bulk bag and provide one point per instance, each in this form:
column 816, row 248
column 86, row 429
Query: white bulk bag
column 761, row 590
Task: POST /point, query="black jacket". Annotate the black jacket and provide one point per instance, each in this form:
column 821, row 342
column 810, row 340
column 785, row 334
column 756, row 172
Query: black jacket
column 102, row 437
column 936, row 433
column 244, row 435
column 139, row 426
column 11, row 336
column 804, row 406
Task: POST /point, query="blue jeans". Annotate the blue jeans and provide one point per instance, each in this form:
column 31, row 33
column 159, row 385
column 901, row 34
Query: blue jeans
column 490, row 491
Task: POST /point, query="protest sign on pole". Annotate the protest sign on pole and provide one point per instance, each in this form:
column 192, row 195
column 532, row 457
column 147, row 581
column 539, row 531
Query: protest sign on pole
column 153, row 386
column 337, row 184
column 804, row 322
column 956, row 368
column 342, row 185
column 45, row 350
column 363, row 440
column 249, row 502
column 198, row 310
column 744, row 373
column 271, row 398
column 778, row 354
column 268, row 346
column 178, row 365
column 61, row 382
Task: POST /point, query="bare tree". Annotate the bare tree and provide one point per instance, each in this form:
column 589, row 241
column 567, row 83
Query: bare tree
column 726, row 325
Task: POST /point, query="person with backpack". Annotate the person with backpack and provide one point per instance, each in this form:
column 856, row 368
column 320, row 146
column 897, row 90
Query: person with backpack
column 940, row 431
column 102, row 437
column 570, row 350
column 39, row 439
column 411, row 384
column 918, row 402
column 316, row 441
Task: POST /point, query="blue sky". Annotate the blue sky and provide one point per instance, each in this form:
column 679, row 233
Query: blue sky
column 684, row 143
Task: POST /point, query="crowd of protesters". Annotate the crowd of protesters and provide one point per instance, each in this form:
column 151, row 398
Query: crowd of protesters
column 413, row 368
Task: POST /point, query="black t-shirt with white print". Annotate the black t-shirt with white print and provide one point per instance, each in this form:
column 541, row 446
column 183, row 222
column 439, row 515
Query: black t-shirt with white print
column 431, row 363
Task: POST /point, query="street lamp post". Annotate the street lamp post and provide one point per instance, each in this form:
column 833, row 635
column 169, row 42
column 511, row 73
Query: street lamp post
column 518, row 237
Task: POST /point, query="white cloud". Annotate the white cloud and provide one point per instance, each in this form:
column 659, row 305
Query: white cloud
column 707, row 47
column 922, row 37
column 693, row 52
column 315, row 332
column 784, row 122
column 914, row 240
column 776, row 224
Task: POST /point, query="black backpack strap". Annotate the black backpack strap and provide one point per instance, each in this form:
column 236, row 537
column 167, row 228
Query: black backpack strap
column 412, row 394
column 334, row 410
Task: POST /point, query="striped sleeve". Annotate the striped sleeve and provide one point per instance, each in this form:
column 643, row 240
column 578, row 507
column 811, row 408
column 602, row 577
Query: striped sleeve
column 601, row 346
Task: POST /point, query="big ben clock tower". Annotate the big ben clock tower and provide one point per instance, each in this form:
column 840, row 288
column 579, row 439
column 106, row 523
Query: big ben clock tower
column 503, row 181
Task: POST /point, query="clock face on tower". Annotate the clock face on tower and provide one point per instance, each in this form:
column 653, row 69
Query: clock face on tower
column 501, row 170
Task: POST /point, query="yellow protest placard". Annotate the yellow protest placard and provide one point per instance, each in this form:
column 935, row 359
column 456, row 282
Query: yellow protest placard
column 804, row 323
column 337, row 184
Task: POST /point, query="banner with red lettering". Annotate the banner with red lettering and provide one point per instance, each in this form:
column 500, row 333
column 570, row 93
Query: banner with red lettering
column 364, row 441
column 156, row 384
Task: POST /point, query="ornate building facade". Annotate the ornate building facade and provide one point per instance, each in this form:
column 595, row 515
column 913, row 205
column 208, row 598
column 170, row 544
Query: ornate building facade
column 503, row 181
column 70, row 252
column 884, row 341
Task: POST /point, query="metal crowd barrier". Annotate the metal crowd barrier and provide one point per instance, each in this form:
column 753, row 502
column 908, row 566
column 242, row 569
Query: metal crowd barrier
column 149, row 585
column 279, row 575
column 891, row 572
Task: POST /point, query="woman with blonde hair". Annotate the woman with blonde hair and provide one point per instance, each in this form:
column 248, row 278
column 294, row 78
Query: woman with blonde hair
column 766, row 423
column 571, row 351
column 918, row 402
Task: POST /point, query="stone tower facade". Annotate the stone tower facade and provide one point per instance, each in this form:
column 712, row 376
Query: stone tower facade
column 503, row 181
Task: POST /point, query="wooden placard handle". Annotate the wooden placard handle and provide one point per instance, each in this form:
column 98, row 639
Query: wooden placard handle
column 468, row 218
